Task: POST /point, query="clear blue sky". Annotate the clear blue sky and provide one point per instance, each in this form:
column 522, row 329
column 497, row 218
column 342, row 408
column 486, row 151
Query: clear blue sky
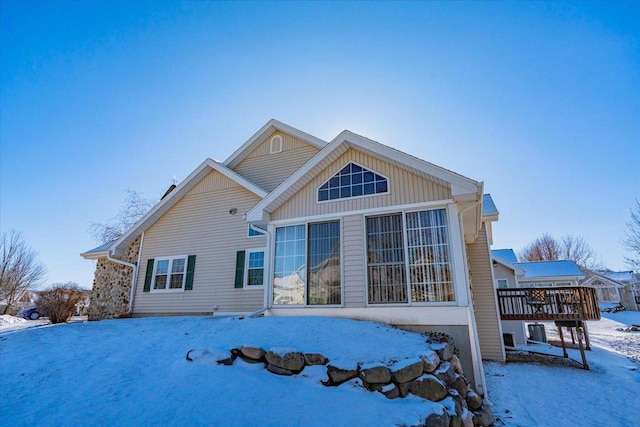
column 540, row 100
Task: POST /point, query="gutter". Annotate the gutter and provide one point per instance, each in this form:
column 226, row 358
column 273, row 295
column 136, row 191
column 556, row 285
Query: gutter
column 133, row 275
column 265, row 304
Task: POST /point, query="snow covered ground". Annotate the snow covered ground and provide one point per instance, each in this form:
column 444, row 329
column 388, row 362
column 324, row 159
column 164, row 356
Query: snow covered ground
column 134, row 372
column 530, row 394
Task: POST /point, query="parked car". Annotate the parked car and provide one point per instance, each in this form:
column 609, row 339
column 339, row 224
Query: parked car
column 33, row 313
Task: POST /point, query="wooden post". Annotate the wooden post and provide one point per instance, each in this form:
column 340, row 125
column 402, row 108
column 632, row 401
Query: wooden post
column 585, row 365
column 586, row 335
column 564, row 346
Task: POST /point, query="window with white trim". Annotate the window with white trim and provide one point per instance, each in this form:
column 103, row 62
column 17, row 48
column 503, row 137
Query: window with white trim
column 408, row 258
column 254, row 268
column 253, row 233
column 352, row 181
column 275, row 145
column 307, row 265
column 169, row 274
column 503, row 283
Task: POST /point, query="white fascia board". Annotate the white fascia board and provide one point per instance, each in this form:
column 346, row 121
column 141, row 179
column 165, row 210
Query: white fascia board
column 94, row 255
column 459, row 184
column 237, row 155
column 604, row 279
column 181, row 189
column 529, row 280
column 462, row 184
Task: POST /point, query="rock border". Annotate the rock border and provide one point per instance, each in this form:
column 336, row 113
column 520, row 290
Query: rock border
column 435, row 375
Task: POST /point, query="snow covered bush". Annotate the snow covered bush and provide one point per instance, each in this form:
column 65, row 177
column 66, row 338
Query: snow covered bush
column 59, row 302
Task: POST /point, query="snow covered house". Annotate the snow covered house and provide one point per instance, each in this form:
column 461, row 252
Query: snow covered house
column 290, row 225
column 622, row 287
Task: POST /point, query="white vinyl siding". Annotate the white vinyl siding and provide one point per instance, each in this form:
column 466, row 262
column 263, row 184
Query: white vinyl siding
column 405, row 187
column 200, row 224
column 484, row 298
column 268, row 170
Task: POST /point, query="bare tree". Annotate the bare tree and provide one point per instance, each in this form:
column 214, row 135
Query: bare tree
column 548, row 248
column 545, row 248
column 134, row 208
column 577, row 249
column 632, row 238
column 19, row 269
column 60, row 302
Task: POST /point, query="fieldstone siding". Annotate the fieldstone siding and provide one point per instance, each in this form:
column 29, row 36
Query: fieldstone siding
column 112, row 286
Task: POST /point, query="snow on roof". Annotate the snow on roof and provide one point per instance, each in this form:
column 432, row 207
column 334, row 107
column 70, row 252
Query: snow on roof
column 101, row 248
column 619, row 276
column 505, row 254
column 488, row 206
column 546, row 269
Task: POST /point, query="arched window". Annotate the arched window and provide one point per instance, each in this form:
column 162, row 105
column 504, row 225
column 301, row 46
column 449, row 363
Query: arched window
column 276, row 144
column 352, row 181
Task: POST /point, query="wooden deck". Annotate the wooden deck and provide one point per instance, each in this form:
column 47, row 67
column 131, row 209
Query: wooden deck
column 551, row 303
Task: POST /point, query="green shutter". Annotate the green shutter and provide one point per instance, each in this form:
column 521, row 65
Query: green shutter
column 149, row 276
column 191, row 265
column 239, row 269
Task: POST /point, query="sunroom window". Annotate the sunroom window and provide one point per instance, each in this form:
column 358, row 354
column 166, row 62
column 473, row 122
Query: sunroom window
column 307, row 264
column 352, row 181
column 408, row 258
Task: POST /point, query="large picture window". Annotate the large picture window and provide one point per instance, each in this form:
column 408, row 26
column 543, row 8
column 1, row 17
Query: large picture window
column 408, row 258
column 307, row 264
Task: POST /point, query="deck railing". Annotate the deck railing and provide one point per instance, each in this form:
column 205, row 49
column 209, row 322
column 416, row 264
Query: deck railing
column 550, row 303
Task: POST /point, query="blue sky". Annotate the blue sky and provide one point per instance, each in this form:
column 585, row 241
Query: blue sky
column 540, row 100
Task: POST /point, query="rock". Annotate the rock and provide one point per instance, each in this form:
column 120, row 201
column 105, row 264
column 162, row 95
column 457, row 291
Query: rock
column 457, row 365
column 437, row 420
column 253, row 353
column 485, row 417
column 460, row 385
column 404, row 389
column 290, row 360
column 278, row 370
column 444, row 350
column 376, row 375
column 428, row 387
column 430, row 360
column 312, row 359
column 474, row 401
column 445, row 372
column 391, row 392
column 406, row 371
column 338, row 375
column 467, row 418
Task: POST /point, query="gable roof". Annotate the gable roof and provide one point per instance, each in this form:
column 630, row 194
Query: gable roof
column 459, row 184
column 98, row 252
column 173, row 197
column 539, row 270
column 262, row 134
column 619, row 276
column 595, row 276
column 506, row 254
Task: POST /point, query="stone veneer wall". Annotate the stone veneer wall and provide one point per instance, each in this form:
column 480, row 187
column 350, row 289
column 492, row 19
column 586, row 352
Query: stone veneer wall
column 112, row 286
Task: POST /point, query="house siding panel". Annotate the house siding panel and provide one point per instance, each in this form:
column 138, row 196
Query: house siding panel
column 200, row 224
column 484, row 298
column 353, row 261
column 404, row 188
column 270, row 170
column 503, row 273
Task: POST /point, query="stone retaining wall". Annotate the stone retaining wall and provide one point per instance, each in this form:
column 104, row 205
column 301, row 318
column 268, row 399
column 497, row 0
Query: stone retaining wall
column 435, row 375
column 112, row 286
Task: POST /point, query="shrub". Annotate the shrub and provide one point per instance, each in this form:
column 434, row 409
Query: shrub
column 59, row 302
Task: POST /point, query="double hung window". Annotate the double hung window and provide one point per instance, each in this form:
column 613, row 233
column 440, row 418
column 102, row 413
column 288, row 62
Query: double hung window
column 408, row 258
column 307, row 264
column 169, row 273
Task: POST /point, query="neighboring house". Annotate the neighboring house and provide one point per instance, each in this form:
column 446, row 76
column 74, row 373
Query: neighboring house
column 625, row 285
column 509, row 273
column 290, row 225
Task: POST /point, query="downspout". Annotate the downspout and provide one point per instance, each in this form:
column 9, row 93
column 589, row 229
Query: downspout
column 133, row 275
column 134, row 279
column 265, row 304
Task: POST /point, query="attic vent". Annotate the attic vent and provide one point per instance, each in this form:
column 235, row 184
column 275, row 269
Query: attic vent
column 276, row 144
